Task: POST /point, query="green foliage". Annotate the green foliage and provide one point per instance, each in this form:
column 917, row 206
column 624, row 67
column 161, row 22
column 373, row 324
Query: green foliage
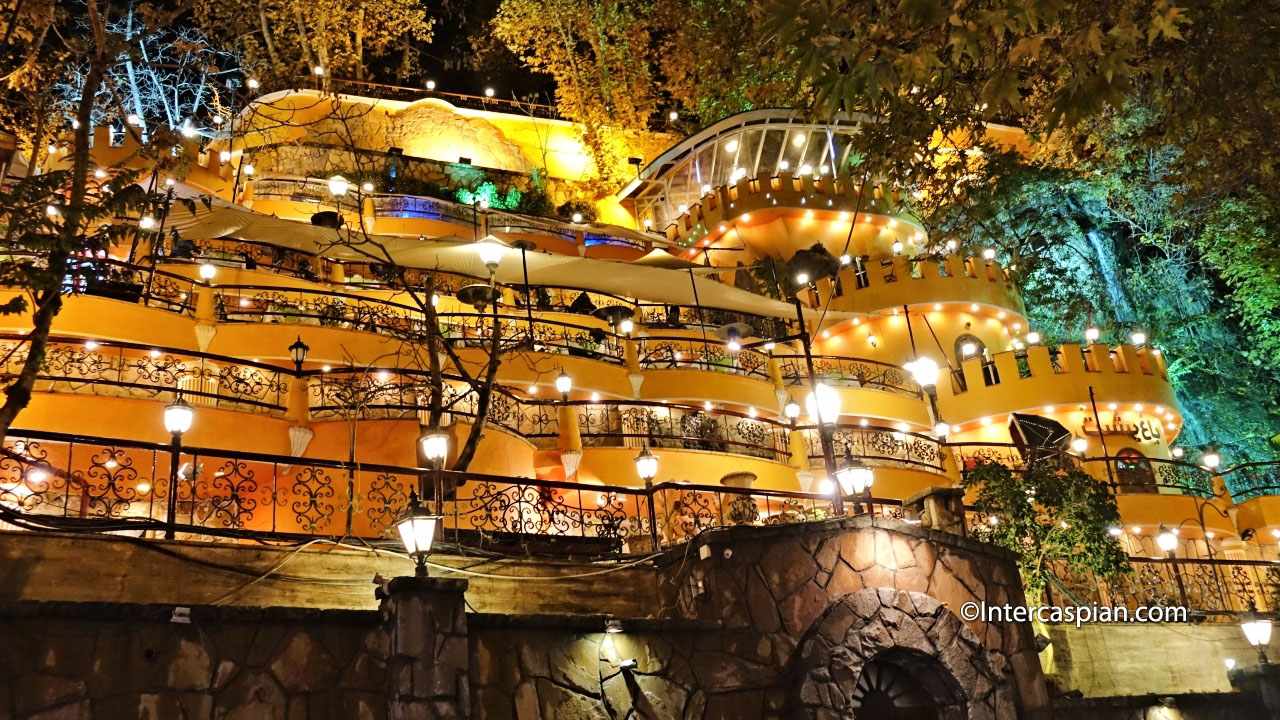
column 585, row 209
column 488, row 194
column 1051, row 513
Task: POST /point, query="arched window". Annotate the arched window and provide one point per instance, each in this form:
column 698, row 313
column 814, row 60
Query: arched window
column 969, row 346
column 1133, row 471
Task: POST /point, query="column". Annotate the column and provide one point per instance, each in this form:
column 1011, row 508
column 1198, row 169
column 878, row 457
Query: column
column 428, row 667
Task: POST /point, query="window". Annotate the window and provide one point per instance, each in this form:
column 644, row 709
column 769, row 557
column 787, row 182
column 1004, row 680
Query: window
column 1133, row 471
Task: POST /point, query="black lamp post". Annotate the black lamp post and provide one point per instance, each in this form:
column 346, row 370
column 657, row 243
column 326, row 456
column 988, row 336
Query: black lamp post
column 177, row 420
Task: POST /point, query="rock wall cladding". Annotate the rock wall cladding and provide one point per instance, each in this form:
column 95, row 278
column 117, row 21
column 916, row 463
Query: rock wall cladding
column 778, row 623
column 76, row 662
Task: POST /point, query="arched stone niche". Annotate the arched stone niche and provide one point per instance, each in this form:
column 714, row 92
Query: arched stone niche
column 896, row 631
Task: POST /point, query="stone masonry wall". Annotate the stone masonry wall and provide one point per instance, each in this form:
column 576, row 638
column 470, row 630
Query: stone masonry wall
column 64, row 661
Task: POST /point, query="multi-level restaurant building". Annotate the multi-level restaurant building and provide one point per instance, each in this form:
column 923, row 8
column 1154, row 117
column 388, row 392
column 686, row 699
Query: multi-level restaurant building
column 280, row 292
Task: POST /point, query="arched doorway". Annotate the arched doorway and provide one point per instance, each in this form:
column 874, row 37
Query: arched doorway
column 903, row 684
column 888, row 654
column 1133, row 472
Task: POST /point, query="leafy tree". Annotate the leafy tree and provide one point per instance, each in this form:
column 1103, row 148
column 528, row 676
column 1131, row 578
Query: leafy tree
column 346, row 38
column 1050, row 513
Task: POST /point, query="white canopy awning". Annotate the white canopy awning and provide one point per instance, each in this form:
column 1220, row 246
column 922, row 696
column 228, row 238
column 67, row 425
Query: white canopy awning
column 642, row 280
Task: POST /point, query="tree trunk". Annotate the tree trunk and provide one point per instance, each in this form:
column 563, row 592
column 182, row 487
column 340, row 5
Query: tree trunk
column 49, row 300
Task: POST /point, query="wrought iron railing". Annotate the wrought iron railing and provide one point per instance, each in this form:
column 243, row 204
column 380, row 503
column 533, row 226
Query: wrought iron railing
column 60, row 481
column 878, row 446
column 1124, row 474
column 1251, row 480
column 659, row 316
column 662, row 352
column 249, row 255
column 634, row 424
column 1219, row 587
column 118, row 280
column 107, row 367
column 839, row 371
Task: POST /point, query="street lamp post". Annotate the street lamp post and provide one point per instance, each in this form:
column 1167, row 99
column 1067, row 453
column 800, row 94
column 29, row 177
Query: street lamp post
column 177, row 420
column 1167, row 541
column 854, row 479
column 824, row 434
column 647, row 469
column 564, row 383
column 435, row 448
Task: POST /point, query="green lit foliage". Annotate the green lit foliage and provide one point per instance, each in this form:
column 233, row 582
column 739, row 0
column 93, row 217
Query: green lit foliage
column 488, row 194
column 1052, row 513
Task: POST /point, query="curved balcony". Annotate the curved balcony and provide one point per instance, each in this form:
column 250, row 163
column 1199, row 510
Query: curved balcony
column 1017, row 381
column 762, row 196
column 872, row 285
column 131, row 370
column 51, row 479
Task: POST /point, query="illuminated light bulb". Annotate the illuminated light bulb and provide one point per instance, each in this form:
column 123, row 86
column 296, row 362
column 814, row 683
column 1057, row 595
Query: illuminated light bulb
column 252, row 83
column 783, row 166
column 682, row 209
column 100, row 173
column 1138, row 407
column 746, row 217
column 1115, row 531
column 144, row 487
column 90, row 345
column 1017, row 327
column 707, row 405
column 1178, row 452
column 955, row 428
column 317, row 71
column 52, row 149
column 217, row 119
column 802, row 278
column 951, row 244
column 871, row 339
column 1112, row 406
column 1000, row 315
column 731, row 146
column 207, row 271
column 1139, row 338
column 325, row 368
column 864, row 422
column 431, row 84
column 1033, row 337
column 225, row 156
column 1209, row 534
column 809, row 214
column 968, row 349
column 706, row 189
column 169, row 182
column 244, row 302
column 985, row 421
column 1091, row 334
column 806, row 169
column 248, row 170
column 673, row 116
column 155, row 354
column 989, row 254
column 577, row 217
column 973, row 307
column 797, row 139
column 1079, row 444
column 146, row 222
column 383, row 376
column 648, row 223
column 52, row 211
column 897, row 247
column 488, row 92
column 366, row 187
column 845, row 259
column 595, row 397
column 188, row 131
column 1135, row 530
column 937, row 307
column 133, row 119
column 751, row 412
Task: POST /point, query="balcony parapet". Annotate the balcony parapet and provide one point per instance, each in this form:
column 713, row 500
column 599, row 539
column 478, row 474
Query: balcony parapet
column 891, row 282
column 1040, row 376
column 781, row 192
